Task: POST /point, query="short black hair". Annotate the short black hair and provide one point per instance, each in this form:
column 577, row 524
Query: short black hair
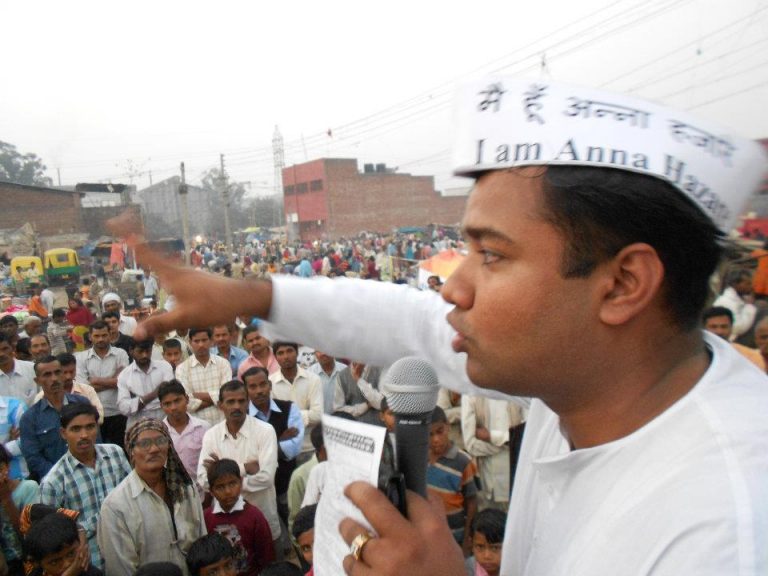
column 111, row 314
column 193, row 331
column 223, row 467
column 158, row 569
column 170, row 387
column 59, row 313
column 171, row 343
column 283, row 568
column 599, row 211
column 9, row 319
column 438, row 416
column 490, row 523
column 49, row 535
column 66, row 359
column 208, row 550
column 74, row 409
column 279, row 344
column 715, row 311
column 249, row 329
column 232, row 386
column 45, row 360
column 253, row 370
column 304, row 521
column 145, row 344
column 98, row 325
column 22, row 346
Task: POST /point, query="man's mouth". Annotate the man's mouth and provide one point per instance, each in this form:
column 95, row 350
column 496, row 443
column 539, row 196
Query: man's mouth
column 458, row 343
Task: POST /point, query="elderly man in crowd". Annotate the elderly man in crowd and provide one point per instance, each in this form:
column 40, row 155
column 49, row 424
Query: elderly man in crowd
column 155, row 514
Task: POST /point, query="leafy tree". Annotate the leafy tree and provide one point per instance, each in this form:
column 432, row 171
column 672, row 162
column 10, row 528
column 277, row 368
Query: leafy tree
column 21, row 168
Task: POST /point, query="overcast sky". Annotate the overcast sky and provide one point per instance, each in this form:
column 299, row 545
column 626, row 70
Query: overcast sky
column 103, row 89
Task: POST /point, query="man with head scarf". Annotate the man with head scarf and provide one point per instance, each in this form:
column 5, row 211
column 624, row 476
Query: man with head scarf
column 155, row 514
column 111, row 302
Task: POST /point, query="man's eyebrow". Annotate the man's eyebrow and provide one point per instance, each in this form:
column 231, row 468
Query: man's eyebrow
column 485, row 233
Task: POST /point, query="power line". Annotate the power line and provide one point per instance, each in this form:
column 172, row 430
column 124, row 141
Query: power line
column 724, row 96
column 697, row 65
column 715, row 80
column 678, row 49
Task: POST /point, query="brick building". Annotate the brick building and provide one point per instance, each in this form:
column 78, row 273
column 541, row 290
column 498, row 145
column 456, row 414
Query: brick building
column 330, row 197
column 50, row 211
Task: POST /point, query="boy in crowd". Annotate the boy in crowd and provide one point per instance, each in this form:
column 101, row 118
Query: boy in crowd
column 487, row 538
column 212, row 555
column 53, row 546
column 172, row 352
column 242, row 523
column 186, row 430
column 452, row 476
column 304, row 533
column 58, row 332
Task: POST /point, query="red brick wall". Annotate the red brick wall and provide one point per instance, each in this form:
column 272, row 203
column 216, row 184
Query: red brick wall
column 49, row 211
column 382, row 201
column 351, row 202
column 311, row 205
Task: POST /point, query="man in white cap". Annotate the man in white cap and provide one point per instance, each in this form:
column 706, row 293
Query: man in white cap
column 595, row 220
column 111, row 302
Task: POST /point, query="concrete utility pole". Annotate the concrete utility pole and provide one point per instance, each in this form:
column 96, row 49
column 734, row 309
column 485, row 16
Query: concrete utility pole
column 183, row 190
column 225, row 195
column 278, row 155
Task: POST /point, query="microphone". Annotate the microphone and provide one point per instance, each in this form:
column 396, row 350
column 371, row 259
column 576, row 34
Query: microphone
column 410, row 386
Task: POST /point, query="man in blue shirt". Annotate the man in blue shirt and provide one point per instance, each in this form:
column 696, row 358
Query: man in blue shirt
column 285, row 418
column 41, row 441
column 223, row 347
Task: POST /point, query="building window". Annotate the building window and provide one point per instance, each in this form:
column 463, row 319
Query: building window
column 288, row 190
column 301, row 188
column 316, row 185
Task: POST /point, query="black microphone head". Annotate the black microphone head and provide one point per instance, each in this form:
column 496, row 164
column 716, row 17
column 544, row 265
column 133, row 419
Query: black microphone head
column 410, row 386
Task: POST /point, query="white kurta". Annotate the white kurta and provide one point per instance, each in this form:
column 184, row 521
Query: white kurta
column 685, row 494
column 256, row 440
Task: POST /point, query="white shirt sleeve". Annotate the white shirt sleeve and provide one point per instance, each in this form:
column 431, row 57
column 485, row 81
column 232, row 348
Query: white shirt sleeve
column 408, row 322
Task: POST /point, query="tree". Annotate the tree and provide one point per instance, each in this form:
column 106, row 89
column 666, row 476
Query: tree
column 211, row 181
column 21, row 168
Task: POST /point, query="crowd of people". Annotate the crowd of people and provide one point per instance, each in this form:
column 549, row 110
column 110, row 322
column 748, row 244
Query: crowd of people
column 153, row 443
column 583, row 296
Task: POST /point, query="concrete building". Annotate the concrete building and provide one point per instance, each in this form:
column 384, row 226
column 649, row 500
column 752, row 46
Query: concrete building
column 330, row 198
column 161, row 201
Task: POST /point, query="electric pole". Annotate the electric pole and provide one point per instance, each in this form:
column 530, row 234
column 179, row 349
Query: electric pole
column 183, row 190
column 225, row 195
column 278, row 155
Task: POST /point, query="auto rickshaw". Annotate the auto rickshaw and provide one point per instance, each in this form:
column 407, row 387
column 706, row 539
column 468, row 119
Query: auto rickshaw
column 26, row 273
column 61, row 265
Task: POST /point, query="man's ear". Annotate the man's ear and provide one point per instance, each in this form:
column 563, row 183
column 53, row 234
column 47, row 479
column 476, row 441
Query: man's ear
column 633, row 279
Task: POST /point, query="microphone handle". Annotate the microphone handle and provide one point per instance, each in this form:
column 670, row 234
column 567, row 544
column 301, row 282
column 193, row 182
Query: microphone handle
column 412, row 449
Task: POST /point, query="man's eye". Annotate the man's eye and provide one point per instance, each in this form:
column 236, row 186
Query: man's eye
column 489, row 257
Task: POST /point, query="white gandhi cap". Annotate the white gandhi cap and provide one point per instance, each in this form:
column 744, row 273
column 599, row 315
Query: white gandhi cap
column 504, row 122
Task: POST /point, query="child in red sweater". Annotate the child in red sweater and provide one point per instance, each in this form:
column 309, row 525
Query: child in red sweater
column 242, row 523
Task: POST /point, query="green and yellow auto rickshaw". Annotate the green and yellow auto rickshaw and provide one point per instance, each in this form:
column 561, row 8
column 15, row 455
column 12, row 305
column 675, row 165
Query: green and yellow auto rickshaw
column 61, row 266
